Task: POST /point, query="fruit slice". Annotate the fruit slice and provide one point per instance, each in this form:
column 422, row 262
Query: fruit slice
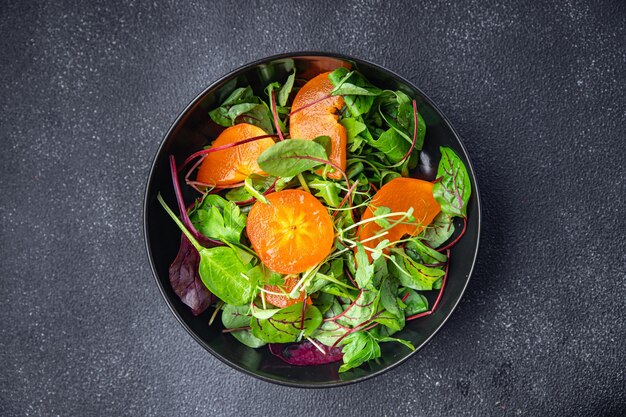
column 291, row 234
column 399, row 195
column 320, row 119
column 233, row 165
column 283, row 301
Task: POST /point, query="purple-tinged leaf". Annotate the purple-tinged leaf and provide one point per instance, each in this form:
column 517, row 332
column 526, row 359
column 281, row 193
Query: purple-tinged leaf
column 305, row 353
column 185, row 279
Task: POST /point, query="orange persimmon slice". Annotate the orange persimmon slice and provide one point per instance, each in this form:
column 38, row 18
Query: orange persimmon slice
column 292, row 233
column 283, row 301
column 233, row 165
column 320, row 119
column 399, row 195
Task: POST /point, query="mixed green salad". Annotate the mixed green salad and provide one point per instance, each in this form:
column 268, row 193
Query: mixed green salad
column 309, row 232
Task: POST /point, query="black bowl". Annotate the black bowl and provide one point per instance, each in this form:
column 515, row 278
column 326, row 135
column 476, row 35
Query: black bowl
column 191, row 131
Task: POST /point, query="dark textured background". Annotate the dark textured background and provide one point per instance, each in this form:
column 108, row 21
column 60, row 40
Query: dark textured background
column 87, row 91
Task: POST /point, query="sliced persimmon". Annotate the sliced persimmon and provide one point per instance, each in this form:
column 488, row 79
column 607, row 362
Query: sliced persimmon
column 233, row 165
column 292, row 233
column 399, row 195
column 275, row 296
column 320, row 119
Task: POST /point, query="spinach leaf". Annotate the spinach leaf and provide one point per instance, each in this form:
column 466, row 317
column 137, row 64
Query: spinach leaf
column 284, row 326
column 234, row 317
column 453, row 191
column 358, row 348
column 221, row 269
column 289, row 157
column 219, row 219
column 438, row 231
column 222, row 272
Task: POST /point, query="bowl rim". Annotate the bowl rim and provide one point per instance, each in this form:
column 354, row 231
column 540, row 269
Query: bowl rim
column 233, row 73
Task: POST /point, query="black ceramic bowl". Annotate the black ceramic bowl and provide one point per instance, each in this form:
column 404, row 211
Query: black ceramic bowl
column 191, row 131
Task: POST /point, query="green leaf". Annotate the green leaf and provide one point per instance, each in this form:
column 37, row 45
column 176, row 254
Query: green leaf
column 326, row 190
column 326, row 142
column 219, row 219
column 421, row 253
column 284, row 326
column 393, row 339
column 392, row 144
column 381, row 211
column 260, row 183
column 438, row 231
column 223, row 273
column 243, row 104
column 358, row 348
column 415, row 303
column 288, row 158
column 453, row 191
column 283, row 93
column 364, row 271
column 362, row 310
column 234, row 317
column 221, row 268
column 414, row 275
column 388, row 297
column 390, row 320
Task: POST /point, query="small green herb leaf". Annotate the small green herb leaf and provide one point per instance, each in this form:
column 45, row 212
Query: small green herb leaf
column 219, row 219
column 364, row 270
column 358, row 348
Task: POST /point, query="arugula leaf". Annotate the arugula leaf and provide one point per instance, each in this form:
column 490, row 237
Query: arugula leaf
column 364, row 271
column 438, row 231
column 357, row 92
column 353, row 129
column 221, row 269
column 218, row 218
column 358, row 348
column 284, row 326
column 453, row 191
column 243, row 103
column 326, row 190
column 288, row 158
column 234, row 317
